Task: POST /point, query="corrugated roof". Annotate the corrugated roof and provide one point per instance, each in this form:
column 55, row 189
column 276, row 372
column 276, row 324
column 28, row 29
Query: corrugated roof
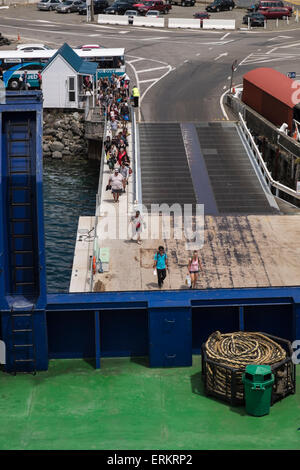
column 274, row 83
column 77, row 63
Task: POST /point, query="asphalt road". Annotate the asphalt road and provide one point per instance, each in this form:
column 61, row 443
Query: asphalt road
column 181, row 74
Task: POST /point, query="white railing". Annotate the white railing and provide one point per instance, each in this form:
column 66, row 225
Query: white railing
column 98, row 203
column 263, row 167
column 137, row 166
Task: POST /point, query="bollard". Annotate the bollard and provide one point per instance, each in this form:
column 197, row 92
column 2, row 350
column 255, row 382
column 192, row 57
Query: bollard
column 287, row 20
column 297, row 16
column 276, row 22
column 265, row 24
column 248, row 23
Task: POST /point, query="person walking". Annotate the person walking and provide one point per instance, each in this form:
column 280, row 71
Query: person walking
column 124, row 170
column 113, row 127
column 116, row 182
column 161, row 264
column 194, row 266
column 24, row 81
column 137, row 226
column 135, row 94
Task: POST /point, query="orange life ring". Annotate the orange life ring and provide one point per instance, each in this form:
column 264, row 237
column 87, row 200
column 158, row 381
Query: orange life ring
column 94, row 264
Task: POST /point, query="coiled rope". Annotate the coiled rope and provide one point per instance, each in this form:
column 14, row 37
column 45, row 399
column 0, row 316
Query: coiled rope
column 236, row 351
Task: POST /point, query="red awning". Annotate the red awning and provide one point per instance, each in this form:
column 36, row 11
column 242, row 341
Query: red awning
column 275, row 84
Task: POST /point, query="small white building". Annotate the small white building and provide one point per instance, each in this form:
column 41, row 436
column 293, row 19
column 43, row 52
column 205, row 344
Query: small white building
column 63, row 79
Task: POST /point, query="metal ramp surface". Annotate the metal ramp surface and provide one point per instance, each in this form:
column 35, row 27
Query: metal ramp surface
column 165, row 171
column 234, row 181
column 204, row 163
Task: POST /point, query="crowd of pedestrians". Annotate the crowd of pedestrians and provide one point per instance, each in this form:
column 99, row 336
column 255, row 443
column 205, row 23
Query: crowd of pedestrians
column 113, row 100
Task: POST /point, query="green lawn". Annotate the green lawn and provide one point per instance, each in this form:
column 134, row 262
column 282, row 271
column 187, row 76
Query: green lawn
column 126, row 405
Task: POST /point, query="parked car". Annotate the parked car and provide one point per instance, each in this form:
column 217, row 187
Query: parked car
column 266, row 4
column 89, row 46
column 274, row 13
column 131, row 13
column 220, row 5
column 47, row 5
column 119, row 7
column 32, row 47
column 256, row 19
column 154, row 13
column 182, row 3
column 147, row 5
column 99, row 7
column 202, row 15
column 68, row 6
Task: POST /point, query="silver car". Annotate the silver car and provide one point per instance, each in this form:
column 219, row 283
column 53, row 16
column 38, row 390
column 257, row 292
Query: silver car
column 68, row 6
column 48, row 5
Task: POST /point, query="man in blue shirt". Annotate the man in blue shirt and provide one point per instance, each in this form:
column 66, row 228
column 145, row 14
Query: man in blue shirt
column 160, row 263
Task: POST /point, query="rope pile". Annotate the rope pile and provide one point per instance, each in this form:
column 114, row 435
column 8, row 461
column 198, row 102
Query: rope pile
column 236, row 350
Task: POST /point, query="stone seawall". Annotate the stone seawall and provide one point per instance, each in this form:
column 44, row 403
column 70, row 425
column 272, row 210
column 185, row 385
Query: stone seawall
column 63, row 135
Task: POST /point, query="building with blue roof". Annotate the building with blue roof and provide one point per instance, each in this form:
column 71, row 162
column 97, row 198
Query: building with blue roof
column 63, row 79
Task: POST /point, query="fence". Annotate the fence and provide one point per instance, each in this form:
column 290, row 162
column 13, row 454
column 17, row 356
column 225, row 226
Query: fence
column 264, row 170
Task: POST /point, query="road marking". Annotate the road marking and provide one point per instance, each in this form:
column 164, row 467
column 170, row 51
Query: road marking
column 185, row 61
column 224, row 87
column 284, row 47
column 149, row 80
column 124, row 32
column 221, row 55
column 222, row 105
column 150, row 70
column 198, row 54
column 225, row 36
column 135, row 60
column 228, row 78
column 154, row 39
column 94, row 35
column 283, row 37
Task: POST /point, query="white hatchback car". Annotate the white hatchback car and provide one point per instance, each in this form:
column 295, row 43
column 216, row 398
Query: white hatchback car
column 32, row 47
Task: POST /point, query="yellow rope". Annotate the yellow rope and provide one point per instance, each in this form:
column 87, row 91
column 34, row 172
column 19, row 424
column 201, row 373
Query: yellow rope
column 237, row 350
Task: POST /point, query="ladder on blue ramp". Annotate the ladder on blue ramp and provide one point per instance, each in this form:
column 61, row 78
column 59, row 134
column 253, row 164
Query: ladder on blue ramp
column 23, row 343
column 20, row 209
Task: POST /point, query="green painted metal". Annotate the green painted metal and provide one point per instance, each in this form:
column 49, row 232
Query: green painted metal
column 104, row 255
column 258, row 381
column 127, row 405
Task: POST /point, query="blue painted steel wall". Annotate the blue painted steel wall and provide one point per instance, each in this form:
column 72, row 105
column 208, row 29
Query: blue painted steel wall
column 22, row 248
column 22, row 107
column 126, row 328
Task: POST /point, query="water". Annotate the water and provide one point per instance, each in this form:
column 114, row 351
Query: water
column 69, row 192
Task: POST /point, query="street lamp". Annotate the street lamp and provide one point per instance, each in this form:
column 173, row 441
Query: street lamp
column 233, row 69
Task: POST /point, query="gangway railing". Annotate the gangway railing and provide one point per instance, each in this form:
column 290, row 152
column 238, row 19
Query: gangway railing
column 96, row 255
column 279, row 187
column 136, row 163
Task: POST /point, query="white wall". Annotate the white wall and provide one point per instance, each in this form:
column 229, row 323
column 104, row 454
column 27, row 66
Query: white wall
column 55, row 87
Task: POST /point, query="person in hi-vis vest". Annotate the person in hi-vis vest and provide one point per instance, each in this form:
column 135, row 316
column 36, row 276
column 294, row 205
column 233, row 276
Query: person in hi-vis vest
column 135, row 94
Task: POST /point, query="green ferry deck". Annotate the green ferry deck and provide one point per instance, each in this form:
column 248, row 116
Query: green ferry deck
column 127, row 405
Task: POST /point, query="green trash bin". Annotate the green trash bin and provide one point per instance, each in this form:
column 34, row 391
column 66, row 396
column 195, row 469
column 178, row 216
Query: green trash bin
column 258, row 382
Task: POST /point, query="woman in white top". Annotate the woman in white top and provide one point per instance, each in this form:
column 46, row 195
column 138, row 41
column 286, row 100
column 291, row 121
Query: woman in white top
column 137, row 223
column 193, row 267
